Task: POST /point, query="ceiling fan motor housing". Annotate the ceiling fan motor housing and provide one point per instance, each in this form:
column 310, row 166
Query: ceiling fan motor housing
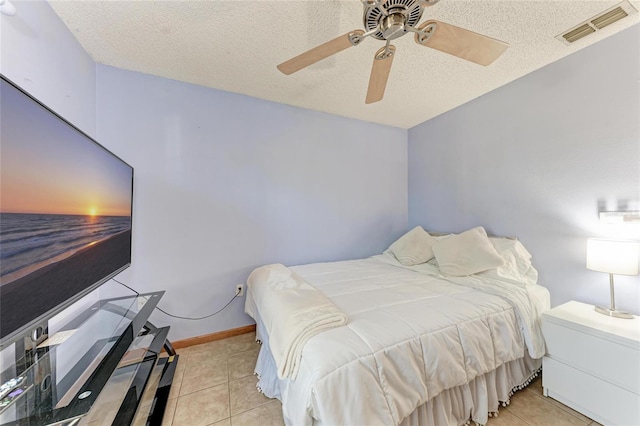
column 392, row 25
column 391, row 17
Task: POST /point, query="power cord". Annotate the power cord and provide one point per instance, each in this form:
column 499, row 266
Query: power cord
column 177, row 316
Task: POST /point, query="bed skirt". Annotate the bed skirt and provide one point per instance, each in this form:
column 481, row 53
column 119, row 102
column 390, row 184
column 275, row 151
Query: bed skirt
column 477, row 400
column 461, row 405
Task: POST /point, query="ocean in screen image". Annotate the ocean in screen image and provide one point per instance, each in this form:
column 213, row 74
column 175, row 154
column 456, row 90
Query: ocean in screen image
column 30, row 241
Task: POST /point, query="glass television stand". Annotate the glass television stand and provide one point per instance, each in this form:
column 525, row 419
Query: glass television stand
column 106, row 366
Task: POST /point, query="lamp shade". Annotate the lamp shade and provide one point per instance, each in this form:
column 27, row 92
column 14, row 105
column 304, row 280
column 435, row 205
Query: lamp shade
column 612, row 256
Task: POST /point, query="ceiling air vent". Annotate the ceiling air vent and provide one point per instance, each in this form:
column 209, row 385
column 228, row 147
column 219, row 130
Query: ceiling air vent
column 609, row 18
column 576, row 34
column 598, row 22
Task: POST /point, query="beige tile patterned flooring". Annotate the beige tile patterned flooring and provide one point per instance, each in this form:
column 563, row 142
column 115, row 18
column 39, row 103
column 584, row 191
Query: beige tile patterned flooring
column 214, row 385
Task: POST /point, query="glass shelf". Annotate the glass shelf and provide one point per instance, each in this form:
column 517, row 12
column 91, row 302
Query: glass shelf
column 59, row 380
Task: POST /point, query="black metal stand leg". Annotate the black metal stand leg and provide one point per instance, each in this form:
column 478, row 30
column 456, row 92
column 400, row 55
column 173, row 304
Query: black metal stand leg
column 167, row 343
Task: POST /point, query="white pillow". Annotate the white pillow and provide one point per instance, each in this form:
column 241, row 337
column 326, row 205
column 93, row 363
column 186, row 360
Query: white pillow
column 414, row 247
column 517, row 262
column 467, row 253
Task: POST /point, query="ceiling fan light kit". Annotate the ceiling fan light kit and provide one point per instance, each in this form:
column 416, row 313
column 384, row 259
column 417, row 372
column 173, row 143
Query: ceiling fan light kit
column 390, row 19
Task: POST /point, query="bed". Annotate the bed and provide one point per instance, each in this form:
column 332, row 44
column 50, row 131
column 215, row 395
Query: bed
column 407, row 344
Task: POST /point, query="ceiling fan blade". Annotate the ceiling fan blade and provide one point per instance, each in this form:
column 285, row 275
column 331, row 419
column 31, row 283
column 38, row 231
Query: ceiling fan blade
column 380, row 73
column 318, row 53
column 462, row 43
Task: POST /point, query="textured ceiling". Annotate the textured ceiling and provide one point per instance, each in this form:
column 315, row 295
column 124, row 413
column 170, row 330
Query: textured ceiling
column 236, row 45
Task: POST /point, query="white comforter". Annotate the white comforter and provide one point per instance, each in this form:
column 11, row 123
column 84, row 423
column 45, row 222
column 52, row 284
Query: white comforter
column 409, row 336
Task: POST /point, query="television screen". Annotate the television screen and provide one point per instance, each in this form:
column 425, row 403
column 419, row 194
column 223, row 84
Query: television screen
column 65, row 212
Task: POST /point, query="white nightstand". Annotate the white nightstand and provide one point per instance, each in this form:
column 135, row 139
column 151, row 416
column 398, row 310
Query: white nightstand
column 592, row 363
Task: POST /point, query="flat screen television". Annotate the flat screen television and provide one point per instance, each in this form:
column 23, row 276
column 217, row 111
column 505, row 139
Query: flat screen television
column 65, row 212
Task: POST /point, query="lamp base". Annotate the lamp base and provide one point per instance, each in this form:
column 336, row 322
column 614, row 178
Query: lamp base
column 614, row 313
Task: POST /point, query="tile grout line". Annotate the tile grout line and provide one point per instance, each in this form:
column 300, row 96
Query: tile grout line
column 270, row 400
column 257, row 406
column 175, row 409
column 202, row 389
column 229, row 389
column 516, row 416
column 563, row 407
column 228, row 354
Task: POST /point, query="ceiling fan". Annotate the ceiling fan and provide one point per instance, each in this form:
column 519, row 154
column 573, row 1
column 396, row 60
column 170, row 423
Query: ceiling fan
column 389, row 19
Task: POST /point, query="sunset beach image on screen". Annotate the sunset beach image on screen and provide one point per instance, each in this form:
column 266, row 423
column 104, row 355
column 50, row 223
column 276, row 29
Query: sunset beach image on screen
column 65, row 206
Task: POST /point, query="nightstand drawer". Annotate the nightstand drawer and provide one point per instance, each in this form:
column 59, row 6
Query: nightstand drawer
column 613, row 362
column 596, row 398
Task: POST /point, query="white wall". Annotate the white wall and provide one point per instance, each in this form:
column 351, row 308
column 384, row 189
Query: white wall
column 225, row 183
column 535, row 158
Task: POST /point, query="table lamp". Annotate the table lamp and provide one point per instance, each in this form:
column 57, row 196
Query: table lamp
column 614, row 257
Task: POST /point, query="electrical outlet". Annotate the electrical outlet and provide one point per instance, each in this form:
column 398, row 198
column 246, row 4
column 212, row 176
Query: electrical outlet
column 240, row 290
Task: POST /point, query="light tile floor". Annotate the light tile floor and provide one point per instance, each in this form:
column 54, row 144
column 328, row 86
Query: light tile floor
column 214, row 385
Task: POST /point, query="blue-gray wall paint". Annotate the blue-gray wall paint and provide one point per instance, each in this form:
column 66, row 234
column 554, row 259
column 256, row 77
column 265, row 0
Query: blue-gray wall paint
column 265, row 182
column 39, row 54
column 225, row 183
column 533, row 159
